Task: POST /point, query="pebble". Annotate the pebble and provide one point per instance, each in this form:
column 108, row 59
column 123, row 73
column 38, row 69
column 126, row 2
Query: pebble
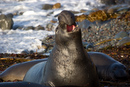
column 53, row 21
column 49, row 27
column 90, row 45
column 121, row 34
column 29, row 28
column 25, row 51
column 84, row 43
column 123, row 41
column 83, row 10
column 39, row 27
column 50, row 13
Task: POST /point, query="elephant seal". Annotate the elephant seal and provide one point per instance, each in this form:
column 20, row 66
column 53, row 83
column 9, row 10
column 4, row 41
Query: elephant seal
column 18, row 71
column 107, row 67
column 68, row 63
column 19, row 84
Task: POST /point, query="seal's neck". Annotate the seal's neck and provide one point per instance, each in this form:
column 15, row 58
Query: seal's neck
column 72, row 42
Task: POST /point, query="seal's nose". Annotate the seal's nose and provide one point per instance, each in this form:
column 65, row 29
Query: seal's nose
column 120, row 74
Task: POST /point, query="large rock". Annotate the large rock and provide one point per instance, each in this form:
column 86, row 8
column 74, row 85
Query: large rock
column 108, row 2
column 47, row 6
column 112, row 2
column 6, row 21
column 51, row 6
column 39, row 27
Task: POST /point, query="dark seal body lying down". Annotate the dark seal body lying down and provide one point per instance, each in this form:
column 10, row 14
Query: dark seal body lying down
column 18, row 71
column 107, row 67
column 19, row 84
column 68, row 63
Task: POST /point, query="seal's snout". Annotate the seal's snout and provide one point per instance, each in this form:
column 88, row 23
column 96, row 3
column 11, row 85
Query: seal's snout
column 120, row 74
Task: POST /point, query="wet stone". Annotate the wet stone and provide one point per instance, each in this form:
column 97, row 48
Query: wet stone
column 83, row 10
column 108, row 2
column 47, row 6
column 29, row 28
column 39, row 27
column 49, row 27
column 27, row 51
column 6, row 21
column 124, row 41
column 90, row 45
column 53, row 21
column 121, row 34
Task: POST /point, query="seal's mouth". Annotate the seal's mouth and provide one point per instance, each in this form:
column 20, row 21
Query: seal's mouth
column 70, row 28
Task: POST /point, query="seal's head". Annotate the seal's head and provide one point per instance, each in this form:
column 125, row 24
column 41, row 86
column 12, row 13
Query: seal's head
column 118, row 71
column 67, row 19
column 67, row 29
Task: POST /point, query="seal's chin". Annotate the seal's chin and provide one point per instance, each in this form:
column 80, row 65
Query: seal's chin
column 70, row 28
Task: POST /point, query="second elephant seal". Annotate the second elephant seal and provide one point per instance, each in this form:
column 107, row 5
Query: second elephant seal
column 18, row 71
column 107, row 67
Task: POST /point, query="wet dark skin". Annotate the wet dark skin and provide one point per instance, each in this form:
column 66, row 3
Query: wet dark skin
column 19, row 84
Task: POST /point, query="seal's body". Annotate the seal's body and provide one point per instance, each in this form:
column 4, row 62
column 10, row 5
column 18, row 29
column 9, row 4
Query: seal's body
column 107, row 67
column 68, row 63
column 19, row 84
column 18, row 71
